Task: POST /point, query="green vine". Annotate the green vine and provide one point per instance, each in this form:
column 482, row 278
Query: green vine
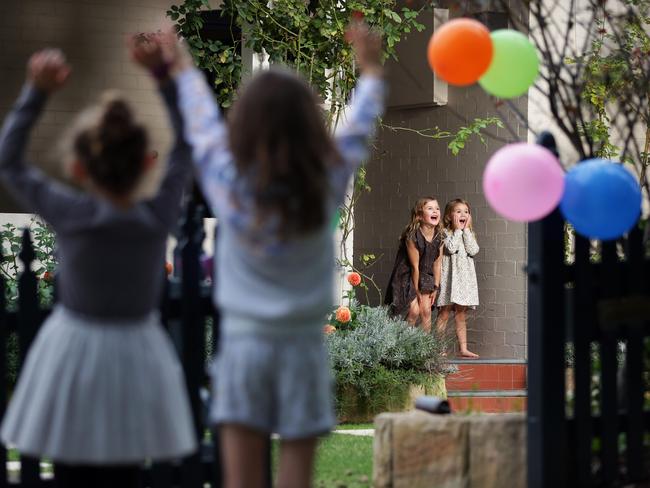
column 458, row 139
column 307, row 36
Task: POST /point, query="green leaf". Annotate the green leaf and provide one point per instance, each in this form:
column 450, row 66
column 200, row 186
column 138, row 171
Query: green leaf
column 393, row 15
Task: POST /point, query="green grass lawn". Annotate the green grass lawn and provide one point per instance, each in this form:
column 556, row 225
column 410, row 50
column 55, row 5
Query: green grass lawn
column 342, row 461
column 355, row 426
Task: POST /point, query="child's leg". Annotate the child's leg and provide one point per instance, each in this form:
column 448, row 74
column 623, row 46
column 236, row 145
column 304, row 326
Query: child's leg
column 425, row 311
column 296, row 463
column 442, row 319
column 461, row 331
column 414, row 312
column 243, row 452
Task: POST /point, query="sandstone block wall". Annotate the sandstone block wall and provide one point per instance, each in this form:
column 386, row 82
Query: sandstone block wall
column 422, row 450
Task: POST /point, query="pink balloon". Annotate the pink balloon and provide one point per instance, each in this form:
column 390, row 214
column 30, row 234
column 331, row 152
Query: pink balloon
column 523, row 182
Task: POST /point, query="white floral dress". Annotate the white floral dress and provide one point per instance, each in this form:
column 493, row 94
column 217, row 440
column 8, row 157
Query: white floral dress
column 458, row 277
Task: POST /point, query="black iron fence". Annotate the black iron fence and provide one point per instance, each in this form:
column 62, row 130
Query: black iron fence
column 190, row 318
column 597, row 305
column 588, row 371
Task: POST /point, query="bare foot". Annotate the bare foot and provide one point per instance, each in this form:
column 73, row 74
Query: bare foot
column 467, row 354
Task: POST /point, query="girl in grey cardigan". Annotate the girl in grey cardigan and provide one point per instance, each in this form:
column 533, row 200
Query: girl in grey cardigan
column 102, row 389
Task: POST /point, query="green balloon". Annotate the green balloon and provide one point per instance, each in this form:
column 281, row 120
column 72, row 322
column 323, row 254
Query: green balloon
column 514, row 65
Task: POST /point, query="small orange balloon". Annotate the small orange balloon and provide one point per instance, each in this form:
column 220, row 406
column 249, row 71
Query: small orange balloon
column 460, row 51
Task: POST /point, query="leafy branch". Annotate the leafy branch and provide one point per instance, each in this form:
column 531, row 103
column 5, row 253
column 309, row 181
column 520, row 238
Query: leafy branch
column 459, row 139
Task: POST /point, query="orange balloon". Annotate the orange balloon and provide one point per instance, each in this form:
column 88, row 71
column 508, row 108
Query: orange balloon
column 460, row 51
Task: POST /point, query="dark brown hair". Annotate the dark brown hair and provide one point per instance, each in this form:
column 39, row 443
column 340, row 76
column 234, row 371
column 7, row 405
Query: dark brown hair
column 113, row 149
column 449, row 208
column 282, row 148
column 416, row 213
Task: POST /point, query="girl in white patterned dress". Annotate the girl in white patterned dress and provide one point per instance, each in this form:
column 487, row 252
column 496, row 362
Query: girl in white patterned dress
column 458, row 286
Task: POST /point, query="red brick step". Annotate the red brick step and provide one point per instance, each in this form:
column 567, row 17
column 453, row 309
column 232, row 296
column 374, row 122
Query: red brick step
column 487, row 385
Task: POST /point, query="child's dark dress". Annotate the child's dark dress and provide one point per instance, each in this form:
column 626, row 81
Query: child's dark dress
column 400, row 291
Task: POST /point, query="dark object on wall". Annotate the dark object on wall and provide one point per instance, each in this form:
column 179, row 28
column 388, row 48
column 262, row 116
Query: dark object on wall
column 433, row 404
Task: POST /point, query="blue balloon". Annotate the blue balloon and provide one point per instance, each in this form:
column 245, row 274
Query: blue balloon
column 602, row 199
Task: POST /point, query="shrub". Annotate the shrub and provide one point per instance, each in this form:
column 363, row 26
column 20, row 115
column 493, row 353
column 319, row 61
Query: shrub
column 380, row 357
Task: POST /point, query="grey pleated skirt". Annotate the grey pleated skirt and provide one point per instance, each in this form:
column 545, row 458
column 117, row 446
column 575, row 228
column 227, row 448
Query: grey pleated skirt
column 100, row 392
column 275, row 380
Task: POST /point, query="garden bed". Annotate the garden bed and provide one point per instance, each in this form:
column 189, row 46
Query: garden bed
column 381, row 364
column 354, row 407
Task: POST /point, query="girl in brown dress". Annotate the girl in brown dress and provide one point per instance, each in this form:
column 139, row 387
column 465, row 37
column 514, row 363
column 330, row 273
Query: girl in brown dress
column 415, row 279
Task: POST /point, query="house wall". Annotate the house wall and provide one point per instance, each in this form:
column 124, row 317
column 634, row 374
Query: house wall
column 406, row 166
column 92, row 34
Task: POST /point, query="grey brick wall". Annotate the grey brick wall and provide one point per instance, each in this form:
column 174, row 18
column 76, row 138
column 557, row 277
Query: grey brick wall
column 406, row 166
column 92, row 34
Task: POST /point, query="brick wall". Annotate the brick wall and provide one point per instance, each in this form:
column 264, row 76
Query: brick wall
column 407, row 166
column 92, row 34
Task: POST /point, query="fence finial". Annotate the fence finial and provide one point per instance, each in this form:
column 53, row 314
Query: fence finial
column 27, row 253
column 547, row 140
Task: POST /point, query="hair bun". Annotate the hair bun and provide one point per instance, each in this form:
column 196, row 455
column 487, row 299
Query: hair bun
column 117, row 121
column 112, row 145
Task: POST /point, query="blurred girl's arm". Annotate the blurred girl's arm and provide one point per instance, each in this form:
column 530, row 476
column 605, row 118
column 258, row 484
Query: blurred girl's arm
column 206, row 133
column 28, row 185
column 471, row 246
column 414, row 261
column 167, row 203
column 453, row 241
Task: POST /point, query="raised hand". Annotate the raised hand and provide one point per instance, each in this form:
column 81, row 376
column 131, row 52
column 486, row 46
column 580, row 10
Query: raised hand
column 161, row 52
column 146, row 49
column 367, row 47
column 48, row 70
